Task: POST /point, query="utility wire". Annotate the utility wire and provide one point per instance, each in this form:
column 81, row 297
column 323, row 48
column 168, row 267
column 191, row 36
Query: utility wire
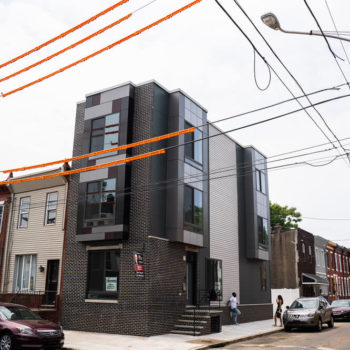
column 293, row 77
column 93, row 18
column 325, row 38
column 336, row 29
column 325, row 219
column 241, row 171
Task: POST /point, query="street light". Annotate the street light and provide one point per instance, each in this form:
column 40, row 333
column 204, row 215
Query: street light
column 271, row 21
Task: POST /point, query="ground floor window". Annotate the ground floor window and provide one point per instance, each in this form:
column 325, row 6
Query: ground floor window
column 103, row 274
column 25, row 271
column 214, row 279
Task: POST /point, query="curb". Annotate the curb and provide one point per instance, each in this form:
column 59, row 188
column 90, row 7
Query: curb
column 237, row 340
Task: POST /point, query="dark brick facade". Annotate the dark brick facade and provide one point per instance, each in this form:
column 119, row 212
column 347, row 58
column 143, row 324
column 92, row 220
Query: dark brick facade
column 145, row 306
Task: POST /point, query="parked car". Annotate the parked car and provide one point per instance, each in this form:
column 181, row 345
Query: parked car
column 341, row 309
column 21, row 328
column 308, row 312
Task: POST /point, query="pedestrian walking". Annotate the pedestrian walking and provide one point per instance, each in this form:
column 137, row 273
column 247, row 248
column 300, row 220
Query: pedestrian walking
column 234, row 311
column 278, row 313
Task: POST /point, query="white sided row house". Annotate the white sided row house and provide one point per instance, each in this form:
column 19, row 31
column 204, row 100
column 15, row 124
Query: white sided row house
column 33, row 247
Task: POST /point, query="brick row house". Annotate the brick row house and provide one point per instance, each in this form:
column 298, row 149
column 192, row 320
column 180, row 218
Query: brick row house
column 135, row 248
column 312, row 264
column 338, row 271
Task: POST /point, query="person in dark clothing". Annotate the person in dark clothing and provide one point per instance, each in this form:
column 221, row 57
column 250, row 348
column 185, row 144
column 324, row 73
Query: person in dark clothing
column 278, row 313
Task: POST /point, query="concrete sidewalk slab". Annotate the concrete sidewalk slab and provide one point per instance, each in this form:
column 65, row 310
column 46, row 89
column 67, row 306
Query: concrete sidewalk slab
column 101, row 341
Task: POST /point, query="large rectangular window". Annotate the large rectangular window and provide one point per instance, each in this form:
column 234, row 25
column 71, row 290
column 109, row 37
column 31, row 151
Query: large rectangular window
column 100, row 203
column 193, row 209
column 25, row 272
column 51, row 208
column 23, row 216
column 260, row 181
column 214, row 279
column 103, row 274
column 263, row 233
column 105, row 133
column 193, row 148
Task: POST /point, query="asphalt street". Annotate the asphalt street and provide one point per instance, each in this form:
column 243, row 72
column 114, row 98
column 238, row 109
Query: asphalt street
column 337, row 338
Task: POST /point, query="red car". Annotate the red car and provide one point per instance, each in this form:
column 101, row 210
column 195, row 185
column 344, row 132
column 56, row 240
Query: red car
column 21, row 328
column 341, row 309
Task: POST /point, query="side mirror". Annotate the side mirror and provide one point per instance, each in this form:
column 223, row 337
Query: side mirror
column 287, row 307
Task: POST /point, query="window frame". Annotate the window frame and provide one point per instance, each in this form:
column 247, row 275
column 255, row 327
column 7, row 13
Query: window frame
column 103, row 294
column 2, row 210
column 48, row 209
column 213, row 265
column 20, row 259
column 264, row 224
column 22, row 211
column 193, row 227
column 260, row 177
column 191, row 148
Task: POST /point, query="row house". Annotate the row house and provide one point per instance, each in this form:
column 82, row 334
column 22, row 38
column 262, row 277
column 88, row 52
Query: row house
column 338, row 271
column 32, row 251
column 154, row 238
column 294, row 261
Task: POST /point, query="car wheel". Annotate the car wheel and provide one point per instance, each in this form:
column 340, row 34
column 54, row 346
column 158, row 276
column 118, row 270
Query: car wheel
column 319, row 325
column 331, row 322
column 6, row 342
column 287, row 328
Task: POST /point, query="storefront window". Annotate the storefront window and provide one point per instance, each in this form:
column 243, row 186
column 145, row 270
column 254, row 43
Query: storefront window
column 214, row 279
column 103, row 274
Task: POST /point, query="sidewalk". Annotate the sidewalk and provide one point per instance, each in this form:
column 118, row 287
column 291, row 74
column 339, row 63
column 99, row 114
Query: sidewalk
column 101, row 341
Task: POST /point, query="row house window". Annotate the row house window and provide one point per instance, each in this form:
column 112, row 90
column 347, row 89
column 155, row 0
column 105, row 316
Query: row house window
column 25, row 273
column 260, row 181
column 50, row 210
column 263, row 233
column 193, row 210
column 194, row 146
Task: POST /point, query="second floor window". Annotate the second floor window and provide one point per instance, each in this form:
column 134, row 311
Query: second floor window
column 263, row 233
column 51, row 208
column 100, row 203
column 24, row 212
column 104, row 133
column 193, row 209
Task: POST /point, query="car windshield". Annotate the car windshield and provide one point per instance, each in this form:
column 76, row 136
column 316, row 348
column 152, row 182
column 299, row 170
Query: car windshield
column 17, row 313
column 344, row 303
column 304, row 304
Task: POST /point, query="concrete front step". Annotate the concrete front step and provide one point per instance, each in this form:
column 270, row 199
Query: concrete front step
column 192, row 321
column 188, row 327
column 190, row 316
column 185, row 332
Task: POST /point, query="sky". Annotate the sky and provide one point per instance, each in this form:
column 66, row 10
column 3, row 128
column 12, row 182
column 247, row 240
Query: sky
column 201, row 52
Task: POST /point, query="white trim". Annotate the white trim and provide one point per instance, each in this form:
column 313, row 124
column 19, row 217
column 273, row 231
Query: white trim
column 101, row 301
column 160, row 238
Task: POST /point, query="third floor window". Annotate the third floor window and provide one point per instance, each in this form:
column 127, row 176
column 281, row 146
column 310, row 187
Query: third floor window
column 23, row 216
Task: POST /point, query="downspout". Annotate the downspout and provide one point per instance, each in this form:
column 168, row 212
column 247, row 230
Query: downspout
column 3, row 231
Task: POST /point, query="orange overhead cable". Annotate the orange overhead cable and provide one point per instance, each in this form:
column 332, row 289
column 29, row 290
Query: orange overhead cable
column 93, row 167
column 131, row 145
column 104, row 49
column 91, row 19
column 67, row 48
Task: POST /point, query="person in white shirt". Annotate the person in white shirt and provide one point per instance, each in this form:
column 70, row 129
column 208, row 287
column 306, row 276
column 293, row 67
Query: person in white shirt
column 234, row 312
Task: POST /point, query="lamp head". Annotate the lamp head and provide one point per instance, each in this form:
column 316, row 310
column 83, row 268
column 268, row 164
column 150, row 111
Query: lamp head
column 271, row 21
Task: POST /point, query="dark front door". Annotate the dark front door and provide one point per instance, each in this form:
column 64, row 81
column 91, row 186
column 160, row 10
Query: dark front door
column 52, row 281
column 191, row 278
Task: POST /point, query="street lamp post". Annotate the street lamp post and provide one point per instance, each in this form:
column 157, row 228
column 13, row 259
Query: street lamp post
column 271, row 21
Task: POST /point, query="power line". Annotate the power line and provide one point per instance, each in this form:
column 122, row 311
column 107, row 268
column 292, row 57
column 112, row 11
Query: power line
column 126, row 38
column 60, row 36
column 336, row 29
column 326, row 219
column 293, row 77
column 325, row 38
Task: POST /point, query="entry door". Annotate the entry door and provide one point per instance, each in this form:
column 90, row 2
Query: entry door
column 52, row 281
column 191, row 278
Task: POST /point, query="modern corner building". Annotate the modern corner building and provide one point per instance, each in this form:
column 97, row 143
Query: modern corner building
column 146, row 239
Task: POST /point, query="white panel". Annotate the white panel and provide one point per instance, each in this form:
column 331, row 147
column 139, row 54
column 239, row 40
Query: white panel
column 224, row 210
column 115, row 94
column 94, row 175
column 98, row 111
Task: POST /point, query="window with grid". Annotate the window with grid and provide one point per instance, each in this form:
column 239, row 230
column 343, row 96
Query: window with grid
column 100, row 203
column 51, row 208
column 23, row 215
column 105, row 133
